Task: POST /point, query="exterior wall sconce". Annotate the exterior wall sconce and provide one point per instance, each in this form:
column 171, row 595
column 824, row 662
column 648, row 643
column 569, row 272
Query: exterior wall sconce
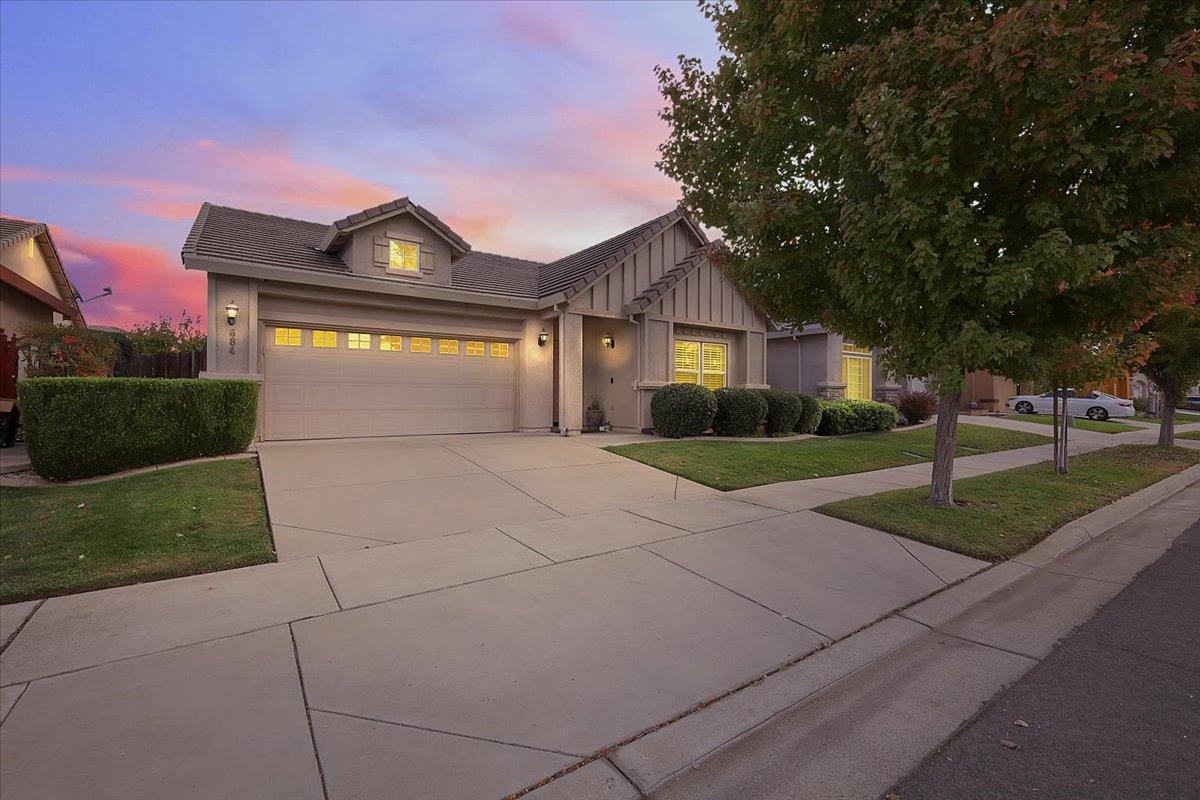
column 543, row 337
column 231, row 312
column 608, row 341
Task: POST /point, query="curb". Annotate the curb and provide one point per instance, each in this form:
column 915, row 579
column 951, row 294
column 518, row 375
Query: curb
column 654, row 758
column 38, row 482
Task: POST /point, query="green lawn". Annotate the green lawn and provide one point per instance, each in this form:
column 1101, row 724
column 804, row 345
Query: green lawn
column 1004, row 513
column 164, row 524
column 1188, row 435
column 1082, row 423
column 736, row 465
column 1181, row 418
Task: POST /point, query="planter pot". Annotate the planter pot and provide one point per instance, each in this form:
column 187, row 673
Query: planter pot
column 593, row 419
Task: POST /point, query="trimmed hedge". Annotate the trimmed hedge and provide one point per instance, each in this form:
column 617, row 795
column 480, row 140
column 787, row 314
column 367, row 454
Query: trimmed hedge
column 840, row 417
column 783, row 411
column 740, row 411
column 810, row 414
column 682, row 409
column 80, row 427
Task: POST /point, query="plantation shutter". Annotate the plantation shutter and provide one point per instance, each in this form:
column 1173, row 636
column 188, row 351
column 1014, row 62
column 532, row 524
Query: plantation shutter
column 687, row 362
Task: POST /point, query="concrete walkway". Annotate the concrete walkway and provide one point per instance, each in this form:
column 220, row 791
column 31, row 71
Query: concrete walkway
column 586, row 601
column 1141, row 654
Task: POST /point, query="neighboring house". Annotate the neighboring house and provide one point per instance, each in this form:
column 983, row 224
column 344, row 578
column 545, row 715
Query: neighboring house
column 36, row 288
column 35, row 292
column 816, row 361
column 387, row 322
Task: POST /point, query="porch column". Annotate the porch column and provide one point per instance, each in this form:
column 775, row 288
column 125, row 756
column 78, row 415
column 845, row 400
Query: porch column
column 570, row 409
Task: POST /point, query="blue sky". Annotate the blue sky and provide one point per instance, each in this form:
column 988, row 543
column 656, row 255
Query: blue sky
column 530, row 127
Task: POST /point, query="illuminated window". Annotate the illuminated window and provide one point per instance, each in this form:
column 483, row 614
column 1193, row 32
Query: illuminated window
column 448, row 347
column 358, row 341
column 856, row 371
column 287, row 337
column 499, row 349
column 419, row 344
column 324, row 338
column 704, row 363
column 404, row 256
column 474, row 348
column 394, row 343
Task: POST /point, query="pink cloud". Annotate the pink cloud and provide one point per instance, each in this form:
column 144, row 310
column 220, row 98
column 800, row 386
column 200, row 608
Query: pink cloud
column 259, row 177
column 146, row 281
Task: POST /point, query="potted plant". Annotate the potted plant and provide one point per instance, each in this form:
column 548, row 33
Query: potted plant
column 595, row 416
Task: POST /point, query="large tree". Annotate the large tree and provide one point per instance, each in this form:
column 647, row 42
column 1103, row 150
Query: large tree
column 948, row 180
column 1174, row 364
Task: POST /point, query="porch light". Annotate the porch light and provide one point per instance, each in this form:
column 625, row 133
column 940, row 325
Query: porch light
column 231, row 310
column 543, row 337
column 607, row 340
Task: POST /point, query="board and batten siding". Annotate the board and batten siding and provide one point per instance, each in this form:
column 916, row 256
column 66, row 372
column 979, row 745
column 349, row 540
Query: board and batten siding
column 631, row 277
column 706, row 295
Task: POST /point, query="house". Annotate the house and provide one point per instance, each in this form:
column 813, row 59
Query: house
column 387, row 322
column 816, row 361
column 36, row 288
column 36, row 292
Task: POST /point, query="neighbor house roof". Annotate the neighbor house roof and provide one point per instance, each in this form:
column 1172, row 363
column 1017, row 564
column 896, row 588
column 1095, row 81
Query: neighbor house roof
column 234, row 235
column 14, row 231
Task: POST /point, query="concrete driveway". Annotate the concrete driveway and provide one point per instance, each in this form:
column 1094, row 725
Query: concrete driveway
column 482, row 612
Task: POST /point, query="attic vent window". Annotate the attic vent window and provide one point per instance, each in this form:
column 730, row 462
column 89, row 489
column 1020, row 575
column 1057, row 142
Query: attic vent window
column 404, row 256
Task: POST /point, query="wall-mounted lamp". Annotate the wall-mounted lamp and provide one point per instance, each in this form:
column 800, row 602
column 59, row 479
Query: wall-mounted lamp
column 608, row 341
column 231, row 310
column 543, row 337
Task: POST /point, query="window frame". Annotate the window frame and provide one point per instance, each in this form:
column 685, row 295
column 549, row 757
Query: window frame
column 323, row 339
column 355, row 340
column 700, row 372
column 426, row 343
column 471, row 345
column 443, row 350
column 393, row 243
column 863, row 359
column 389, row 339
column 287, row 337
column 495, row 347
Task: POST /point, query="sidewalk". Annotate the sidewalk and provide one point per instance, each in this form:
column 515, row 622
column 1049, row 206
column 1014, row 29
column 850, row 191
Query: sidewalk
column 937, row 663
column 1112, row 713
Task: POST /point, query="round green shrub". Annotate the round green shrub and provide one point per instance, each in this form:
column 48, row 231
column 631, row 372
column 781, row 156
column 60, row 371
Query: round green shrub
column 740, row 411
column 810, row 414
column 839, row 417
column 682, row 409
column 783, row 411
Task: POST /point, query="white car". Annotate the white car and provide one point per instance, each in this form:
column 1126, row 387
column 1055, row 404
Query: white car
column 1093, row 405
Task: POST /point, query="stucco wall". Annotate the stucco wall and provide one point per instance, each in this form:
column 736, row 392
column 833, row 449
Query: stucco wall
column 435, row 251
column 239, row 356
column 783, row 364
column 25, row 258
column 610, row 375
column 20, row 312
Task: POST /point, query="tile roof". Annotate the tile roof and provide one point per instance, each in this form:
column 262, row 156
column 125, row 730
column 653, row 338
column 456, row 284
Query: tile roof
column 401, row 204
column 15, row 230
column 232, row 234
column 236, row 235
column 572, row 273
column 654, row 292
column 495, row 274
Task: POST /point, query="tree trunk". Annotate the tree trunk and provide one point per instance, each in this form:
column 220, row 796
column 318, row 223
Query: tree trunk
column 1166, row 428
column 1061, row 466
column 941, row 489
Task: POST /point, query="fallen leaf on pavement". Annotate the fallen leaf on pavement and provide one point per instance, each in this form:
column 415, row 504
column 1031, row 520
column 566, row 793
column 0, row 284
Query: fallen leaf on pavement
column 1010, row 744
column 1022, row 723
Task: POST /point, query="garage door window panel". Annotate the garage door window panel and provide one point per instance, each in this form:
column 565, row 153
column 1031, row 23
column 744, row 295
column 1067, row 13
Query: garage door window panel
column 448, row 347
column 420, row 344
column 499, row 349
column 392, row 343
column 287, row 337
column 475, row 348
column 358, row 341
column 324, row 339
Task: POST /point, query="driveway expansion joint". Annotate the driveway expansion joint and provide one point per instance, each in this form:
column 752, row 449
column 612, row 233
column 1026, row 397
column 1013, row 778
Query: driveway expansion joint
column 4, row 645
column 312, row 735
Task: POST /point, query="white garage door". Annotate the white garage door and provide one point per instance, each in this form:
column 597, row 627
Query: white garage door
column 325, row 384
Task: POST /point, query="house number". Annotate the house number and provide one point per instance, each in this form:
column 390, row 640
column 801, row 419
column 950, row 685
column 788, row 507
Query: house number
column 232, row 340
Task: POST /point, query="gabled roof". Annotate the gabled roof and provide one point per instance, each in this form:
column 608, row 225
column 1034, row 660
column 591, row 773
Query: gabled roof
column 335, row 234
column 232, row 234
column 495, row 274
column 573, row 273
column 14, row 231
column 655, row 291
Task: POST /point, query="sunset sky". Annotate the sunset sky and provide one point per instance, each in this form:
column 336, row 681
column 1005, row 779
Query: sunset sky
column 531, row 128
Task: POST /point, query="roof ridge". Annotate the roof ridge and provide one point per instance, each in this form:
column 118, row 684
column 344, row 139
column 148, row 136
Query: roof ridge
column 510, row 258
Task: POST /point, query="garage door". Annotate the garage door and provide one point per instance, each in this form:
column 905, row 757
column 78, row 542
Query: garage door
column 326, row 384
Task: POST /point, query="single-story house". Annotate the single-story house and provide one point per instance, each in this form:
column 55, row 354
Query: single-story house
column 816, row 361
column 387, row 322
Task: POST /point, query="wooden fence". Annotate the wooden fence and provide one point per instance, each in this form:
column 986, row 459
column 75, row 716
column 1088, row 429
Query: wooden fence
column 169, row 365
